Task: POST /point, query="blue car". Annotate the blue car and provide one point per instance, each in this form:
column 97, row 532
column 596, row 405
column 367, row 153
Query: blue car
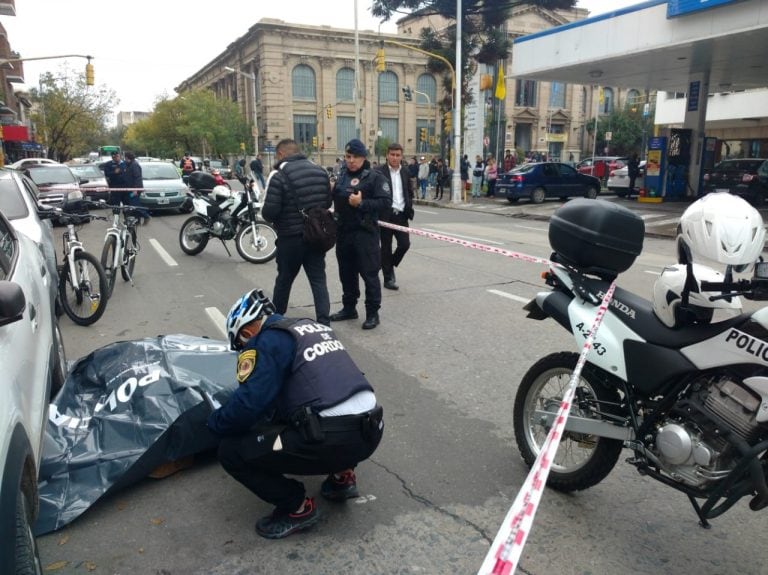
column 542, row 180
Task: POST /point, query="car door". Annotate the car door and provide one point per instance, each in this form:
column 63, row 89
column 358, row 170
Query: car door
column 552, row 181
column 569, row 181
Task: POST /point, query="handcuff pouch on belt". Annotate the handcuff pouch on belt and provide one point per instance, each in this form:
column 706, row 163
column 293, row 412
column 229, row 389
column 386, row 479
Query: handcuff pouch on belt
column 307, row 422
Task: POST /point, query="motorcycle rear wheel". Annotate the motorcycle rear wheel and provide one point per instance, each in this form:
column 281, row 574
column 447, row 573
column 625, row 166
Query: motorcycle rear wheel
column 259, row 249
column 193, row 236
column 581, row 460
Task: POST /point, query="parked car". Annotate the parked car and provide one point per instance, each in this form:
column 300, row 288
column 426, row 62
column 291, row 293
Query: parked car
column 618, row 180
column 27, row 353
column 745, row 177
column 21, row 164
column 601, row 166
column 163, row 187
column 93, row 184
column 58, row 186
column 224, row 170
column 541, row 180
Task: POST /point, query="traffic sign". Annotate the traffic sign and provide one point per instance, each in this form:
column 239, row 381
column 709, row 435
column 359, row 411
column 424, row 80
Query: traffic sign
column 608, row 136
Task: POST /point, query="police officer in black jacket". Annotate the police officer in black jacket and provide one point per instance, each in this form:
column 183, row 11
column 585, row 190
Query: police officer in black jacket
column 297, row 184
column 361, row 195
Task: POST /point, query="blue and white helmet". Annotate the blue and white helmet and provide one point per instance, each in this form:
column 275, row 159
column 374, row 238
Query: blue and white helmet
column 250, row 307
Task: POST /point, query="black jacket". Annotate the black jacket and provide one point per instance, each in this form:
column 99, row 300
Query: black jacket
column 311, row 186
column 377, row 199
column 407, row 191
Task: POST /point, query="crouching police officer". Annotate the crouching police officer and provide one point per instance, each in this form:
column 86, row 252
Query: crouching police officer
column 302, row 407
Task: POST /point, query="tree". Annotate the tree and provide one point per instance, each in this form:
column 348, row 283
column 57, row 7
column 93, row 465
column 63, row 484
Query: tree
column 71, row 117
column 626, row 129
column 196, row 120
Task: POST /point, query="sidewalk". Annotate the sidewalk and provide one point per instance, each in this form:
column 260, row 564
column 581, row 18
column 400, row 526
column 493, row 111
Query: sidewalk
column 661, row 219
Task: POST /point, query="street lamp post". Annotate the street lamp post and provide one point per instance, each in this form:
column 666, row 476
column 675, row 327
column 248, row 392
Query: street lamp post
column 251, row 77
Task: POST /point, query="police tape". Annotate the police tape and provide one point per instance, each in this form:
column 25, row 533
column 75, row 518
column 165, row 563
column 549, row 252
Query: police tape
column 505, row 551
column 104, row 189
column 466, row 244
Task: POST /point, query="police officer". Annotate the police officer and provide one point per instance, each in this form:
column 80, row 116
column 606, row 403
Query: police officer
column 302, row 407
column 360, row 196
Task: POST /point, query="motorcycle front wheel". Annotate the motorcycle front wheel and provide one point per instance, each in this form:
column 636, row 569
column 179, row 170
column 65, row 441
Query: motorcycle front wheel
column 257, row 248
column 193, row 236
column 581, row 460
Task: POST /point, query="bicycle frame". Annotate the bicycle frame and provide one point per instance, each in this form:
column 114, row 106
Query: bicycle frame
column 119, row 231
column 72, row 245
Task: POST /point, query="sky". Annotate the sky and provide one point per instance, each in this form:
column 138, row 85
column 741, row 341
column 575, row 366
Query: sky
column 143, row 49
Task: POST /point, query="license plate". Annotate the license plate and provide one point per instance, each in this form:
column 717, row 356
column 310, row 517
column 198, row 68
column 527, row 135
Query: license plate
column 162, row 200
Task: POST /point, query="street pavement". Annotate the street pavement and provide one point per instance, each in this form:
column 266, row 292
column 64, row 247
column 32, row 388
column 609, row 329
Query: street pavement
column 660, row 219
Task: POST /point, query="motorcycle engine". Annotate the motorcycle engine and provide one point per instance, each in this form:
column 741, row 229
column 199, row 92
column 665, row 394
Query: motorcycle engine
column 692, row 442
column 225, row 226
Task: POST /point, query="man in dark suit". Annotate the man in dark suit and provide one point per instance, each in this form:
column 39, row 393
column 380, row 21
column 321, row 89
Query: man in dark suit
column 401, row 185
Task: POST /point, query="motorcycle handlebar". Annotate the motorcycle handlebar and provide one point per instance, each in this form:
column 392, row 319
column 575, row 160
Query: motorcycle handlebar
column 754, row 289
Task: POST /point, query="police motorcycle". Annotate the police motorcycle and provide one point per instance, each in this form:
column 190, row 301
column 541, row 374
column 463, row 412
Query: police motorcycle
column 226, row 214
column 681, row 381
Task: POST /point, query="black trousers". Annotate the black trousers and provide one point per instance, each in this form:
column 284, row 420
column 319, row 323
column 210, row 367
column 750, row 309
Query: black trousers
column 359, row 256
column 292, row 255
column 389, row 259
column 251, row 460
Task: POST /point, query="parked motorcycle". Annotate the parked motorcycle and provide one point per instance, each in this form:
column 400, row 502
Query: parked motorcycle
column 683, row 387
column 226, row 214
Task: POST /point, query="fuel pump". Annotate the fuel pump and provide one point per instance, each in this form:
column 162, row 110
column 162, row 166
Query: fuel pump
column 678, row 161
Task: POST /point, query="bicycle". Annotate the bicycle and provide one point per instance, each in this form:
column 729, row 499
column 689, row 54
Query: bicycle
column 121, row 245
column 82, row 283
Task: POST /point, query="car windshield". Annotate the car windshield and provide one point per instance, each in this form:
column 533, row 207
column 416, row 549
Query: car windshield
column 90, row 172
column 216, row 164
column 49, row 175
column 159, row 171
column 739, row 165
column 11, row 203
column 524, row 169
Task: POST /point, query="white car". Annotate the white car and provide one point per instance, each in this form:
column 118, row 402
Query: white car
column 28, row 357
column 618, row 180
column 26, row 162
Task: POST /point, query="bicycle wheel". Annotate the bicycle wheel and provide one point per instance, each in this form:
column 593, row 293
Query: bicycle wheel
column 108, row 264
column 259, row 248
column 129, row 254
column 84, row 301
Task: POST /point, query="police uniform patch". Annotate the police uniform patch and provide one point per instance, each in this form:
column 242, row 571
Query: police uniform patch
column 246, row 362
column 385, row 187
column 354, row 182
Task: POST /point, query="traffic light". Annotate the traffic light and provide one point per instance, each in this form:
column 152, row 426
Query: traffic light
column 242, row 146
column 407, row 94
column 422, row 134
column 329, row 111
column 89, row 74
column 314, row 141
column 381, row 63
column 447, row 122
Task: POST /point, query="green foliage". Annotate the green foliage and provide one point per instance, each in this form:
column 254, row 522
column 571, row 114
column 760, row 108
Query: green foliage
column 196, row 121
column 71, row 117
column 626, row 129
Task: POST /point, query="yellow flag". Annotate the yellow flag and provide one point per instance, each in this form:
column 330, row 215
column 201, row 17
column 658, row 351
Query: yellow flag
column 602, row 96
column 501, row 87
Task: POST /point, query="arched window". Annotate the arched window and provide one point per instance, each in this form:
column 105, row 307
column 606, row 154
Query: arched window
column 426, row 84
column 606, row 106
column 634, row 99
column 388, row 90
column 303, row 82
column 345, row 85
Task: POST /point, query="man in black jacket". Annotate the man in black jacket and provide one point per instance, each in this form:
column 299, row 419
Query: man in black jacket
column 360, row 197
column 402, row 210
column 297, row 184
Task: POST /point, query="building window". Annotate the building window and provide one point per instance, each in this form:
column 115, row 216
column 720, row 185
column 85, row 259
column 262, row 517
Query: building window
column 426, row 84
column 304, row 129
column 606, row 102
column 345, row 130
column 634, row 98
column 303, row 82
column 345, row 85
column 388, row 129
column 388, row 90
column 525, row 93
column 557, row 95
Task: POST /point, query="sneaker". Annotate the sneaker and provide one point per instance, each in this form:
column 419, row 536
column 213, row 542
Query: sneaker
column 340, row 488
column 281, row 524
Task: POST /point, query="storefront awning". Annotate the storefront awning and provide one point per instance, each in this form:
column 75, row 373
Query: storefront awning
column 15, row 133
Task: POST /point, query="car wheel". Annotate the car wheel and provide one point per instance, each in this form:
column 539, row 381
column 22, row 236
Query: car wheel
column 27, row 556
column 538, row 195
column 591, row 193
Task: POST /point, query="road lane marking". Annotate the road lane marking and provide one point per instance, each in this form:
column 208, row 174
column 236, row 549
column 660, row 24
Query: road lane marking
column 532, row 228
column 509, row 296
column 664, row 222
column 164, row 255
column 218, row 320
column 474, row 239
column 420, row 211
column 653, row 273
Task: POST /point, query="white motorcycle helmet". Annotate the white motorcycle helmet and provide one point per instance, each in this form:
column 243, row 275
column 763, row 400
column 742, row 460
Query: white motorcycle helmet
column 667, row 297
column 723, row 228
column 221, row 192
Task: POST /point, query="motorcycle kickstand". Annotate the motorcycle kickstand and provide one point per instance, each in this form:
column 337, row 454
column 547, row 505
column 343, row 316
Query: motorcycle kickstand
column 697, row 508
column 223, row 243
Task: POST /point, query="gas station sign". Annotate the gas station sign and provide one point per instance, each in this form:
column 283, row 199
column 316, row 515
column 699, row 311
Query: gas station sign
column 682, row 7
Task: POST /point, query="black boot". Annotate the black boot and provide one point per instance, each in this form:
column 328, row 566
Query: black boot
column 389, row 281
column 344, row 313
column 371, row 320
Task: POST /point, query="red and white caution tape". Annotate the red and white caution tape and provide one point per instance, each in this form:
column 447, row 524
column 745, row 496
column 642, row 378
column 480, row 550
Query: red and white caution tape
column 466, row 244
column 504, row 554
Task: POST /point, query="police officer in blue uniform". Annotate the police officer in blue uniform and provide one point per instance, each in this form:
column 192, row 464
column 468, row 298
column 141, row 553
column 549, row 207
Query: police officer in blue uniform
column 361, row 195
column 302, row 407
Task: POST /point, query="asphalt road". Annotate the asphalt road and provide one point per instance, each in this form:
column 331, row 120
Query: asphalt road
column 445, row 362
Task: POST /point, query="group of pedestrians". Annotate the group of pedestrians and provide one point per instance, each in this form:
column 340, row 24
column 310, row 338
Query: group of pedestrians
column 484, row 173
column 434, row 174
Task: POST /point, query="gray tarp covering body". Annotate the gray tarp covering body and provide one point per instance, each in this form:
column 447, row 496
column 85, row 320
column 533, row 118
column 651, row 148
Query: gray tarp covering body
column 125, row 409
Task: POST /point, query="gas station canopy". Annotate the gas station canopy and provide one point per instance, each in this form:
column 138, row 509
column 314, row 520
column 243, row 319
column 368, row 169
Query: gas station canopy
column 655, row 45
